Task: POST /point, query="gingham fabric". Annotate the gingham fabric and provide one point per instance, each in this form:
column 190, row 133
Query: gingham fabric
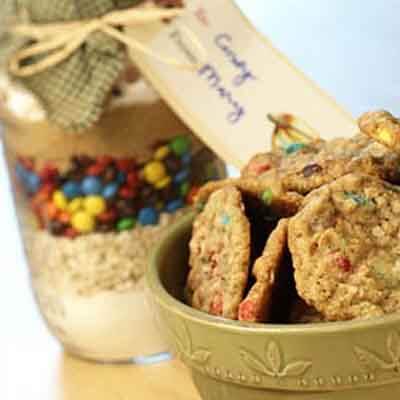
column 74, row 92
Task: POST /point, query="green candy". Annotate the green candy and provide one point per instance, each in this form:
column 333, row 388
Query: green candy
column 180, row 145
column 267, row 196
column 126, row 224
column 184, row 189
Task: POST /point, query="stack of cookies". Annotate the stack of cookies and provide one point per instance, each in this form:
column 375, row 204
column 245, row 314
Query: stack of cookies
column 308, row 233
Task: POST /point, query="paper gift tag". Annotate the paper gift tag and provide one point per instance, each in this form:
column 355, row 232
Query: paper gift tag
column 242, row 79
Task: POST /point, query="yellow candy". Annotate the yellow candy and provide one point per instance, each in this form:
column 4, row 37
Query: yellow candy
column 83, row 222
column 161, row 153
column 94, row 205
column 60, row 200
column 75, row 205
column 385, row 135
column 163, row 183
column 154, row 171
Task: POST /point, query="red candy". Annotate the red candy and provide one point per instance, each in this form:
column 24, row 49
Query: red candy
column 192, row 194
column 48, row 173
column 132, row 179
column 107, row 216
column 64, row 217
column 343, row 263
column 217, row 305
column 258, row 169
column 50, row 211
column 104, row 160
column 71, row 233
column 247, row 311
column 96, row 169
column 127, row 192
column 126, row 164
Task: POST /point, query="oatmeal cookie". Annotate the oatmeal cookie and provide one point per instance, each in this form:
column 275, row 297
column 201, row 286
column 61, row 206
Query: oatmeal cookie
column 382, row 127
column 322, row 162
column 255, row 307
column 345, row 248
column 268, row 191
column 219, row 255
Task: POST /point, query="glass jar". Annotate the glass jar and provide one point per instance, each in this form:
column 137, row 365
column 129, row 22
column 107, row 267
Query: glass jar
column 91, row 207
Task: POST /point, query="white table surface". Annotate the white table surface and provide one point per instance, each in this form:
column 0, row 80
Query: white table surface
column 349, row 47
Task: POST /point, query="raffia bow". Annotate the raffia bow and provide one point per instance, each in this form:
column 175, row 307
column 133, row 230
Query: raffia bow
column 55, row 42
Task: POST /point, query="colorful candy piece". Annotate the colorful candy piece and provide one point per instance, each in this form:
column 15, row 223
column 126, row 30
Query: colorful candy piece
column 110, row 190
column 121, row 177
column 72, row 189
column 182, row 176
column 96, row 169
column 148, row 216
column 91, row 185
column 186, row 159
column 75, row 205
column 163, row 183
column 184, row 189
column 126, row 224
column 33, row 182
column 83, row 222
column 294, row 147
column 48, row 173
column 126, row 164
column 132, row 179
column 180, row 145
column 60, row 200
column 94, row 205
column 154, row 171
column 71, row 233
column 267, row 196
column 127, row 192
column 108, row 216
column 174, row 205
column 161, row 153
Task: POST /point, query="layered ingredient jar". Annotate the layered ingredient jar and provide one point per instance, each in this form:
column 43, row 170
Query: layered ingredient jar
column 92, row 206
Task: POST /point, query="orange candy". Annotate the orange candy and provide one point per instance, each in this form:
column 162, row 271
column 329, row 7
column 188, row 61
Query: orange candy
column 51, row 211
column 192, row 194
column 64, row 217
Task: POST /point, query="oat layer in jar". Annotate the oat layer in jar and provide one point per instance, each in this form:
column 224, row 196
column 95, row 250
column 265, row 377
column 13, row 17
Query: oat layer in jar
column 91, row 208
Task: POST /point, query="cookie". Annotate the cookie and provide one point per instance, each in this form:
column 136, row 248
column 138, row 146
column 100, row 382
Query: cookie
column 256, row 306
column 219, row 255
column 382, row 127
column 268, row 191
column 322, row 162
column 345, row 248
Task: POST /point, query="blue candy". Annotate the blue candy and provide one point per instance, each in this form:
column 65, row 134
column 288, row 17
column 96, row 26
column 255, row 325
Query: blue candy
column 33, row 182
column 72, row 189
column 147, row 216
column 174, row 205
column 110, row 190
column 121, row 177
column 293, row 147
column 91, row 185
column 186, row 158
column 21, row 172
column 181, row 176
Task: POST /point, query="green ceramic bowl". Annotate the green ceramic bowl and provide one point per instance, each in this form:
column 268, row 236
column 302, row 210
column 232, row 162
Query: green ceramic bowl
column 231, row 360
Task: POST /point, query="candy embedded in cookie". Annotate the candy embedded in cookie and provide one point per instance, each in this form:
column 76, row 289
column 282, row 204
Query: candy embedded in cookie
column 219, row 255
column 382, row 127
column 321, row 162
column 256, row 306
column 267, row 191
column 345, row 248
